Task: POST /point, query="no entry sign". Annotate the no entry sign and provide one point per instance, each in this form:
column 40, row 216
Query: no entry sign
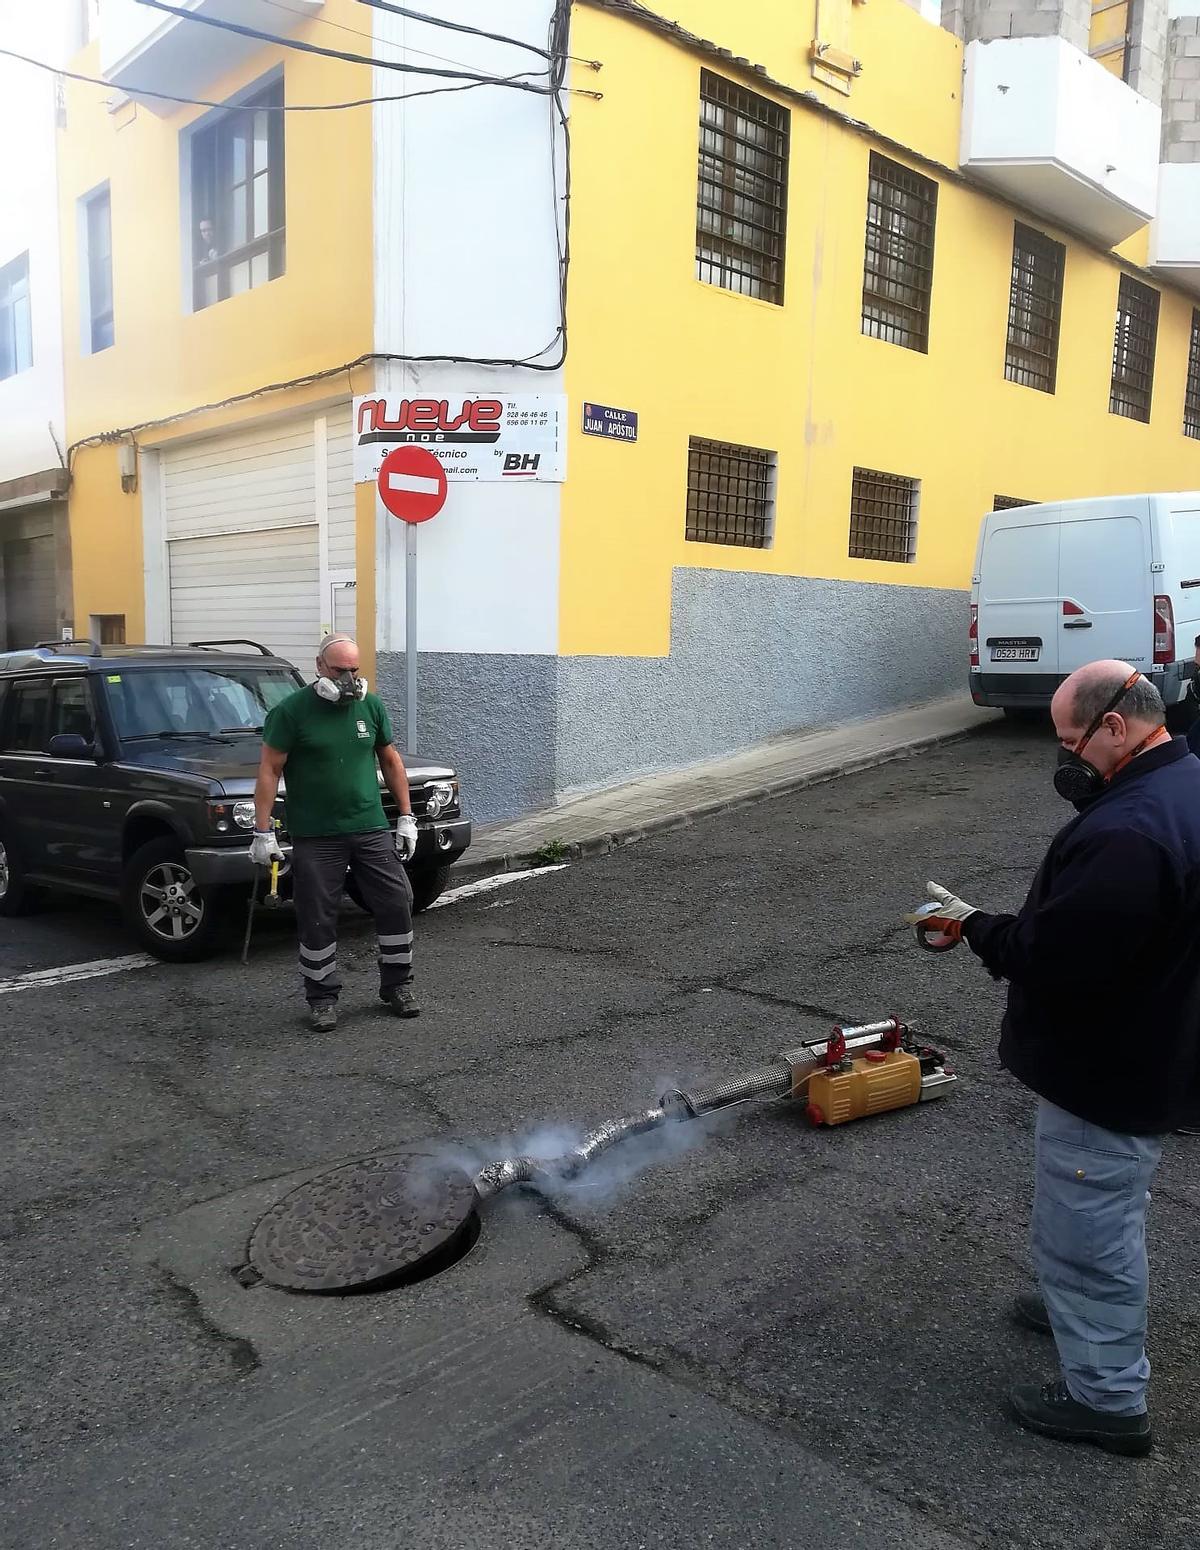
column 412, row 484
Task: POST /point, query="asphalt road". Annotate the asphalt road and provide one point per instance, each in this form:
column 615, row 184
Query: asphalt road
column 773, row 1336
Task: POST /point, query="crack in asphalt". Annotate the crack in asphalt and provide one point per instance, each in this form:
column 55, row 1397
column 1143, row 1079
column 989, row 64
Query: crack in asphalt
column 241, row 1353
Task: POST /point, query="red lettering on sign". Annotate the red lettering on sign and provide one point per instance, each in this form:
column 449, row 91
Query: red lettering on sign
column 484, row 415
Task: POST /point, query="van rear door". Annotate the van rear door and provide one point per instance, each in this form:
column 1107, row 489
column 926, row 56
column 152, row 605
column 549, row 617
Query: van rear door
column 1106, row 583
column 1018, row 596
column 1181, row 571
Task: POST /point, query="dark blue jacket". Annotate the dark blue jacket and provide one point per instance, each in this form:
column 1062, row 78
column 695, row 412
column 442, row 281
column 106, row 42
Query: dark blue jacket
column 1103, row 961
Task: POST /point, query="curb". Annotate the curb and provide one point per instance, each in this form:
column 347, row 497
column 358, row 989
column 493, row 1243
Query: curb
column 617, row 839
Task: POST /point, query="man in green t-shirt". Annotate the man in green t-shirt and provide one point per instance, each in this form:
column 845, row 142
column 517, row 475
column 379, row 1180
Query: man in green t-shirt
column 328, row 737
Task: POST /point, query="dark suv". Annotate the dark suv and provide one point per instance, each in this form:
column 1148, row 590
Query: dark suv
column 128, row 773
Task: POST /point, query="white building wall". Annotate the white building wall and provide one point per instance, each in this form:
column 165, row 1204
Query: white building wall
column 32, row 402
column 468, row 220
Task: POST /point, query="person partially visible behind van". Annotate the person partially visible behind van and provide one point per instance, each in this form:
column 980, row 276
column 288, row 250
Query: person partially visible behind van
column 1192, row 701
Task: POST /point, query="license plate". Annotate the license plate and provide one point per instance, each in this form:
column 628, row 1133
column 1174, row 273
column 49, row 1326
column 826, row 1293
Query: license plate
column 1016, row 653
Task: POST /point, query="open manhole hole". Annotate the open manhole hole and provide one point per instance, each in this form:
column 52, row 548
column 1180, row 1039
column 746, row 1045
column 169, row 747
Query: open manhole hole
column 368, row 1225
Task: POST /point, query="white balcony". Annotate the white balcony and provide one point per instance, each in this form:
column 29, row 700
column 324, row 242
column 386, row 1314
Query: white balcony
column 1175, row 234
column 140, row 46
column 1054, row 131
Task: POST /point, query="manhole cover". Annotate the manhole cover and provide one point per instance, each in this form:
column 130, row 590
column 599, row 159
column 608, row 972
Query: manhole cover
column 365, row 1223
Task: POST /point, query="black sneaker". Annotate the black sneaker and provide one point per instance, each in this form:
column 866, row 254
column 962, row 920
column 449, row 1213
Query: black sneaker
column 401, row 1001
column 1029, row 1309
column 323, row 1017
column 1051, row 1411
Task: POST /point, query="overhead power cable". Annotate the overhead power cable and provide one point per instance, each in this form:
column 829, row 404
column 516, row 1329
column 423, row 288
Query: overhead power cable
column 334, row 53
column 357, row 32
column 285, row 107
column 441, row 21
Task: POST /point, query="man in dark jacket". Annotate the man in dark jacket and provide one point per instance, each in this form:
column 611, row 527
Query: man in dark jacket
column 1103, row 1024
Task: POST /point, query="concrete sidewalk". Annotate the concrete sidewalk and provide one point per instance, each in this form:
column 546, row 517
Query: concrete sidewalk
column 595, row 824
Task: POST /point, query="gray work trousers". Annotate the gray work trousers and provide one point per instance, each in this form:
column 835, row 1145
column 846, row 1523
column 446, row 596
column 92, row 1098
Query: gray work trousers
column 1089, row 1246
column 318, row 882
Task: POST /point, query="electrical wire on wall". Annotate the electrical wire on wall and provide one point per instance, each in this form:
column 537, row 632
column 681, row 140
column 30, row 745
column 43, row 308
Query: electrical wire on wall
column 555, row 90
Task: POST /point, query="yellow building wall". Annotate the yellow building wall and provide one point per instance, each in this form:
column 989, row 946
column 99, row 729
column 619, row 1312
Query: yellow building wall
column 167, row 359
column 800, row 379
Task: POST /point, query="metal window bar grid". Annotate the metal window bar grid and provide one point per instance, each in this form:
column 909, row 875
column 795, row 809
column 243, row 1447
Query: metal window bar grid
column 1191, row 396
column 898, row 266
column 730, row 496
column 741, row 201
column 1133, row 350
column 883, row 517
column 1009, row 502
column 1034, row 310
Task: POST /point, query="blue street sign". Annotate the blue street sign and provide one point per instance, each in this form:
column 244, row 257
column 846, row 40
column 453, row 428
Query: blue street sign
column 617, row 424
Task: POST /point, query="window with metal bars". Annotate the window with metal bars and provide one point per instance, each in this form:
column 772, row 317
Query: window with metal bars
column 730, row 494
column 1191, row 396
column 741, row 201
column 883, row 516
column 898, row 268
column 1034, row 309
column 1133, row 350
column 1009, row 502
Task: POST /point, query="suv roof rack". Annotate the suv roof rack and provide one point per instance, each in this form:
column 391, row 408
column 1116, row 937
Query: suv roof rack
column 238, row 642
column 71, row 647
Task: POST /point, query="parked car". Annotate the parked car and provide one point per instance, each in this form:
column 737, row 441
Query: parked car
column 1057, row 586
column 127, row 773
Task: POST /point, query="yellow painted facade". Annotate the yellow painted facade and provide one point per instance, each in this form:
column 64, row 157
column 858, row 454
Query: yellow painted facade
column 801, row 379
column 168, row 359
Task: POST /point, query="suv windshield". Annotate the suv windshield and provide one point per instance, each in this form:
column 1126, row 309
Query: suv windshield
column 195, row 701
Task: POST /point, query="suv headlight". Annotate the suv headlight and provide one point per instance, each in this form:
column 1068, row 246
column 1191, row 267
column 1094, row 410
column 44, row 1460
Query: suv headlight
column 443, row 794
column 229, row 817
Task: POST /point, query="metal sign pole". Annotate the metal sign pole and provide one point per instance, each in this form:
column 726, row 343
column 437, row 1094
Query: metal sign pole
column 410, row 638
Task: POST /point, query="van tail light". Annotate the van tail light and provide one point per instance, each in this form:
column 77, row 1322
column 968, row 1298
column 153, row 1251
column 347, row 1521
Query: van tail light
column 973, row 635
column 1164, row 631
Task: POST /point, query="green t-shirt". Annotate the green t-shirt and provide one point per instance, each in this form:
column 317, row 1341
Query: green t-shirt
column 331, row 778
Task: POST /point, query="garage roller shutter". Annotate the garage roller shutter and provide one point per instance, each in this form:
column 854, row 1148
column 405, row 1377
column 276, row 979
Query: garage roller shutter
column 264, row 585
column 265, row 477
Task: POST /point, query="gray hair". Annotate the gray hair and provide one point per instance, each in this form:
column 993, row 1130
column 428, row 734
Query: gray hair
column 334, row 640
column 1140, row 702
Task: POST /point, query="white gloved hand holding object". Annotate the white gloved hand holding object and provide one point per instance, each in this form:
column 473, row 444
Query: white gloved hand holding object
column 940, row 922
column 406, row 836
column 264, row 848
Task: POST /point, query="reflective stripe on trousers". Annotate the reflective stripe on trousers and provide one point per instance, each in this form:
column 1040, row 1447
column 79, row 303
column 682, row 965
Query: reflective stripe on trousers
column 1089, row 1247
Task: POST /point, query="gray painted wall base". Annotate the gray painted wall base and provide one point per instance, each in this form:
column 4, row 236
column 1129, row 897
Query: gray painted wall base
column 751, row 657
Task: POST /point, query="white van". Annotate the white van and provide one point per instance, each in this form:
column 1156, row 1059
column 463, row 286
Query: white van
column 1056, row 586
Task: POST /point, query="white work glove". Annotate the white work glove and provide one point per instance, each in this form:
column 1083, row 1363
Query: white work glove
column 942, row 918
column 406, row 836
column 264, row 848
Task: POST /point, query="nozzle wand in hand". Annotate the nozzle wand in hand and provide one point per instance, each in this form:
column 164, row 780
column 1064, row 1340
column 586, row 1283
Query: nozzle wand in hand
column 939, row 923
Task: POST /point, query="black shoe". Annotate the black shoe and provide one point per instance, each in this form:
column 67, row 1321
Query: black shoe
column 323, row 1017
column 1051, row 1411
column 1030, row 1310
column 401, row 1001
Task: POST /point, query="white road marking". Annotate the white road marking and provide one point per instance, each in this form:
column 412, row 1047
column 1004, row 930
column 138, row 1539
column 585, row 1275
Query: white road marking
column 68, row 973
column 490, row 884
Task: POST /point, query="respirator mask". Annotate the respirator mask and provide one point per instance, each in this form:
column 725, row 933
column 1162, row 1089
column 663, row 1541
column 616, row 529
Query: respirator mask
column 342, row 687
column 1079, row 782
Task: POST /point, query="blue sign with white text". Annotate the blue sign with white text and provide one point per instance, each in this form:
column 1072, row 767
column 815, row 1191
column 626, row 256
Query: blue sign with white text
column 617, row 424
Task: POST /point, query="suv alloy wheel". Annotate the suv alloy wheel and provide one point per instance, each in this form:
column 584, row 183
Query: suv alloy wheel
column 164, row 907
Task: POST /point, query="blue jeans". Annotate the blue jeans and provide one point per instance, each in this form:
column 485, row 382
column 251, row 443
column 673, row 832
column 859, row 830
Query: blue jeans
column 1089, row 1247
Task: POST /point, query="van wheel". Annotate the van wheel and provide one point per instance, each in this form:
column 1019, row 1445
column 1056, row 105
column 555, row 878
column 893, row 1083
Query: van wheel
column 16, row 896
column 164, row 907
